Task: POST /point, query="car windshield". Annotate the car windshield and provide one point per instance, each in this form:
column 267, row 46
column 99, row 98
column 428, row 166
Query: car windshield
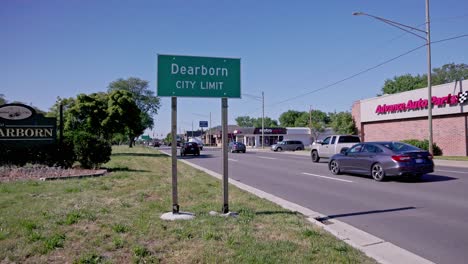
column 399, row 147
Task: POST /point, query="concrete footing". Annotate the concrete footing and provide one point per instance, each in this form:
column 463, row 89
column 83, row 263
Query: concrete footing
column 177, row 216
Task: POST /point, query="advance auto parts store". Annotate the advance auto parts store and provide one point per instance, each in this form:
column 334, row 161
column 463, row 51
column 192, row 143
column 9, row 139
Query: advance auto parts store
column 404, row 116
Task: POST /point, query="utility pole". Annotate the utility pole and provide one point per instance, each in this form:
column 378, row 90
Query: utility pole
column 210, row 131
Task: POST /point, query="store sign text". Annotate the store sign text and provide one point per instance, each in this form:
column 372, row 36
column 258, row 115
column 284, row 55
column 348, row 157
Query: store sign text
column 417, row 104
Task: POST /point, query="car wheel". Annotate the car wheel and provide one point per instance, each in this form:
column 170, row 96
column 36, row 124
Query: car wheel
column 335, row 167
column 315, row 156
column 378, row 172
column 243, row 151
column 298, row 148
column 279, row 149
column 198, row 153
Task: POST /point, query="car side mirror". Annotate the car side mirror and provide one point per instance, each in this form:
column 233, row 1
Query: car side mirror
column 344, row 151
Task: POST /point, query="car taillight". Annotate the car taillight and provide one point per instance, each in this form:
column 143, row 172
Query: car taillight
column 401, row 158
column 429, row 156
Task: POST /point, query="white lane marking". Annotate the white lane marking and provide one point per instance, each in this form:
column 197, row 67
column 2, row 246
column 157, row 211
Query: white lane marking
column 320, row 176
column 464, row 172
column 233, row 160
column 266, row 158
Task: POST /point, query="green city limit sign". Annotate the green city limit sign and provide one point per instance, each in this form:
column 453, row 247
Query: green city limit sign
column 190, row 76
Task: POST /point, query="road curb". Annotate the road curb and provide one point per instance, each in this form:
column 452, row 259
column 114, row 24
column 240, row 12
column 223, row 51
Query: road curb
column 382, row 251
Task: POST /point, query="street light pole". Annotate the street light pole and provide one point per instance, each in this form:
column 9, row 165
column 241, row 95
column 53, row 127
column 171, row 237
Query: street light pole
column 263, row 118
column 429, row 87
column 427, row 38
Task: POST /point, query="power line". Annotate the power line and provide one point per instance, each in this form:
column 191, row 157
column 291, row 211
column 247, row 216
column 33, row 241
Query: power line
column 359, row 73
column 447, row 39
column 366, row 70
column 350, row 77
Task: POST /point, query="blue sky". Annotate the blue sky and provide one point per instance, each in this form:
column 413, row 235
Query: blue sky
column 287, row 49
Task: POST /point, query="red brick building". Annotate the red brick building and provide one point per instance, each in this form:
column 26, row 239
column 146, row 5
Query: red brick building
column 404, row 116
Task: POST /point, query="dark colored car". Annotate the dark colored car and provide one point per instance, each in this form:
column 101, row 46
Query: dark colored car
column 237, row 147
column 382, row 159
column 190, row 148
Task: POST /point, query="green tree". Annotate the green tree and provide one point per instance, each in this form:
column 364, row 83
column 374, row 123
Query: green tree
column 268, row 122
column 123, row 116
column 245, row 121
column 144, row 97
column 404, row 83
column 316, row 120
column 168, row 138
column 2, row 99
column 343, row 123
column 288, row 119
column 87, row 114
column 447, row 73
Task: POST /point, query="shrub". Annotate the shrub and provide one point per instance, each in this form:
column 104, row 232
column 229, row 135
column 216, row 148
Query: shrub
column 46, row 154
column 424, row 144
column 90, row 150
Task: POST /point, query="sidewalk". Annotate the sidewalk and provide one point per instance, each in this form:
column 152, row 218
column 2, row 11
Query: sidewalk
column 451, row 163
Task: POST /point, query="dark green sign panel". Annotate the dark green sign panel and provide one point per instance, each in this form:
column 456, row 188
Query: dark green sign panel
column 189, row 76
column 20, row 124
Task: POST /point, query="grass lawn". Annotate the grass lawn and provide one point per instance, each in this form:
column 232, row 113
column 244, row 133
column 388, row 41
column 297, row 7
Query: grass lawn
column 116, row 219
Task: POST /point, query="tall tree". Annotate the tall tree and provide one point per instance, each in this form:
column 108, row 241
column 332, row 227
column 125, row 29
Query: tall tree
column 450, row 73
column 123, row 115
column 268, row 122
column 245, row 121
column 67, row 103
column 404, row 83
column 447, row 73
column 87, row 114
column 145, row 99
column 288, row 119
column 2, row 99
column 343, row 123
column 316, row 120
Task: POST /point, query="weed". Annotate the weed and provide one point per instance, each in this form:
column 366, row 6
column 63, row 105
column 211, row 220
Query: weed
column 35, row 236
column 118, row 242
column 90, row 258
column 56, row 241
column 140, row 252
column 119, row 228
column 29, row 225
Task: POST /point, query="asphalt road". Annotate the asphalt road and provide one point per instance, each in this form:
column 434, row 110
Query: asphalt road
column 427, row 217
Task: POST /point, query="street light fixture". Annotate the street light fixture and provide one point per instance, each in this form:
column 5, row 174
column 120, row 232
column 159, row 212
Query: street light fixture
column 427, row 38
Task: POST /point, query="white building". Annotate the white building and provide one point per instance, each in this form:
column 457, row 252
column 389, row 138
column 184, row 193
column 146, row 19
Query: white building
column 252, row 137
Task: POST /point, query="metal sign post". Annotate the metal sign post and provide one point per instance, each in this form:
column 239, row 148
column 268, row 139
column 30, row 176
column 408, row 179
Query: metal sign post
column 192, row 76
column 175, row 202
column 224, row 117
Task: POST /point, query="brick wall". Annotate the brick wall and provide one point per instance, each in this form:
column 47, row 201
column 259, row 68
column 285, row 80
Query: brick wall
column 449, row 132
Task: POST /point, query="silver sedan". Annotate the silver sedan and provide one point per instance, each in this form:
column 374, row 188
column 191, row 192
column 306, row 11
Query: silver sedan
column 382, row 159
